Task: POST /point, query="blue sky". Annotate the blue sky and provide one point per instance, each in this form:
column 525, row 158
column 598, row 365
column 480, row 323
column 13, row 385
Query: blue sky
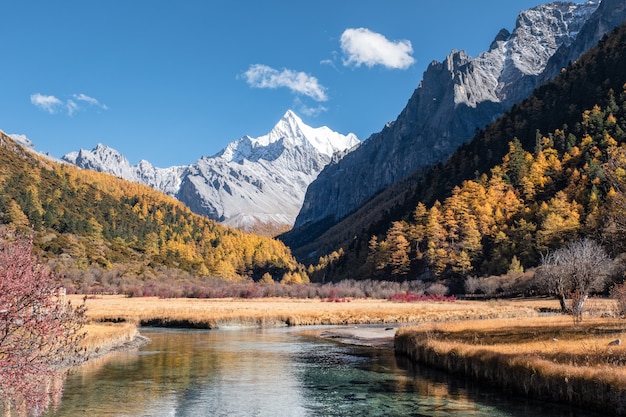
column 170, row 81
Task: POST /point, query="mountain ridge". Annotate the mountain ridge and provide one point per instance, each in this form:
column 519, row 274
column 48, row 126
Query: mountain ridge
column 453, row 102
column 558, row 115
column 83, row 221
column 253, row 183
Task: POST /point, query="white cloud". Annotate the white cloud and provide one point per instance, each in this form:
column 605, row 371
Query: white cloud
column 90, row 100
column 330, row 61
column 361, row 46
column 48, row 103
column 51, row 104
column 308, row 110
column 71, row 107
column 262, row 76
column 312, row 111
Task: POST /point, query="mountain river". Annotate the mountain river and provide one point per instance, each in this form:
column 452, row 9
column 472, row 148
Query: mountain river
column 274, row 372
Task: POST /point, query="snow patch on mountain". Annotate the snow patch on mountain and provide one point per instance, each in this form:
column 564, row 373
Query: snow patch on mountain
column 495, row 75
column 23, row 140
column 105, row 159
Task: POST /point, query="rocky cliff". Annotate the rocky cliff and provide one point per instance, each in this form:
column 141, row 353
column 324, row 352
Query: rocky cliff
column 456, row 98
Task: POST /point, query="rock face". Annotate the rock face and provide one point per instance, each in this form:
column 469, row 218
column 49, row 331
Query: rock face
column 254, row 183
column 456, row 98
column 105, row 159
column 609, row 15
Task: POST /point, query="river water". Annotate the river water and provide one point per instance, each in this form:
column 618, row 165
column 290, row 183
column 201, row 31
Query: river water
column 274, row 372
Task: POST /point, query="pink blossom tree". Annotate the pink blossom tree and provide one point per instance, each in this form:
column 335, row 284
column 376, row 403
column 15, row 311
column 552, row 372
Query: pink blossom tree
column 40, row 332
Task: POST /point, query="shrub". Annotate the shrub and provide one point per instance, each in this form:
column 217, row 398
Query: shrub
column 408, row 297
column 437, row 289
column 618, row 292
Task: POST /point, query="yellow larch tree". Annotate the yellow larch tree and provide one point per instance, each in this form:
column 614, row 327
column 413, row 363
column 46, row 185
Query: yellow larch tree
column 559, row 221
column 398, row 249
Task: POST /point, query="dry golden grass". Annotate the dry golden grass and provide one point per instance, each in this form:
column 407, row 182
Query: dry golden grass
column 102, row 337
column 549, row 357
column 128, row 313
column 211, row 313
column 114, row 319
column 556, row 340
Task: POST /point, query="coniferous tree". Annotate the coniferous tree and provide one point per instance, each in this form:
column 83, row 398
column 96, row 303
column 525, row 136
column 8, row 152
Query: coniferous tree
column 398, row 250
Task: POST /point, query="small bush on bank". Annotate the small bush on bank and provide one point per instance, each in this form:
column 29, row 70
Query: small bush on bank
column 408, row 297
column 501, row 285
column 618, row 292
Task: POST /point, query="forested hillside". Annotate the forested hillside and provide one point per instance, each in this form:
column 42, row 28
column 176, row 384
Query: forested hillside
column 84, row 219
column 548, row 171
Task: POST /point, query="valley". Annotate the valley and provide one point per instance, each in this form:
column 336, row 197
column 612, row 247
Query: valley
column 482, row 233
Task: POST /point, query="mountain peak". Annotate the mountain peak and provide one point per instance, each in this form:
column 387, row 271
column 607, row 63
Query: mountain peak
column 502, row 36
column 290, row 115
column 290, row 125
column 22, row 140
column 289, row 132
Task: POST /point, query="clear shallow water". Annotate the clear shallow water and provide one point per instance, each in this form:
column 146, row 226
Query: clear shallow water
column 274, row 372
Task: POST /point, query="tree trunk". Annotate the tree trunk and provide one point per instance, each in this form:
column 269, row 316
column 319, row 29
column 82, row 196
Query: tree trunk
column 581, row 303
column 578, row 303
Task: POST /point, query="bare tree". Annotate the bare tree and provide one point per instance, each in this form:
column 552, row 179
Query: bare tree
column 574, row 271
column 39, row 330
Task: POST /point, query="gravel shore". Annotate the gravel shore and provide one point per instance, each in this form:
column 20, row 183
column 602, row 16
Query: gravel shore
column 373, row 336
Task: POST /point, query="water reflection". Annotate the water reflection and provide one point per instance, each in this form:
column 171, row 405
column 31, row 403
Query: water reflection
column 274, row 372
column 33, row 397
column 366, row 382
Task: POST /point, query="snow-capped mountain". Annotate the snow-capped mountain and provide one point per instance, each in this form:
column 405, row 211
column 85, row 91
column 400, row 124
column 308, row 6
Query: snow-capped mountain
column 455, row 99
column 105, row 159
column 24, row 141
column 253, row 183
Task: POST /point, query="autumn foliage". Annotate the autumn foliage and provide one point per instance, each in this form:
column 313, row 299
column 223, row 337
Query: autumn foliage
column 84, row 219
column 570, row 186
column 536, row 178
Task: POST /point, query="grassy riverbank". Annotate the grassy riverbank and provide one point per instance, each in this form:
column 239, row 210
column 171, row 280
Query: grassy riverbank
column 542, row 357
column 115, row 318
column 102, row 338
column 270, row 312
